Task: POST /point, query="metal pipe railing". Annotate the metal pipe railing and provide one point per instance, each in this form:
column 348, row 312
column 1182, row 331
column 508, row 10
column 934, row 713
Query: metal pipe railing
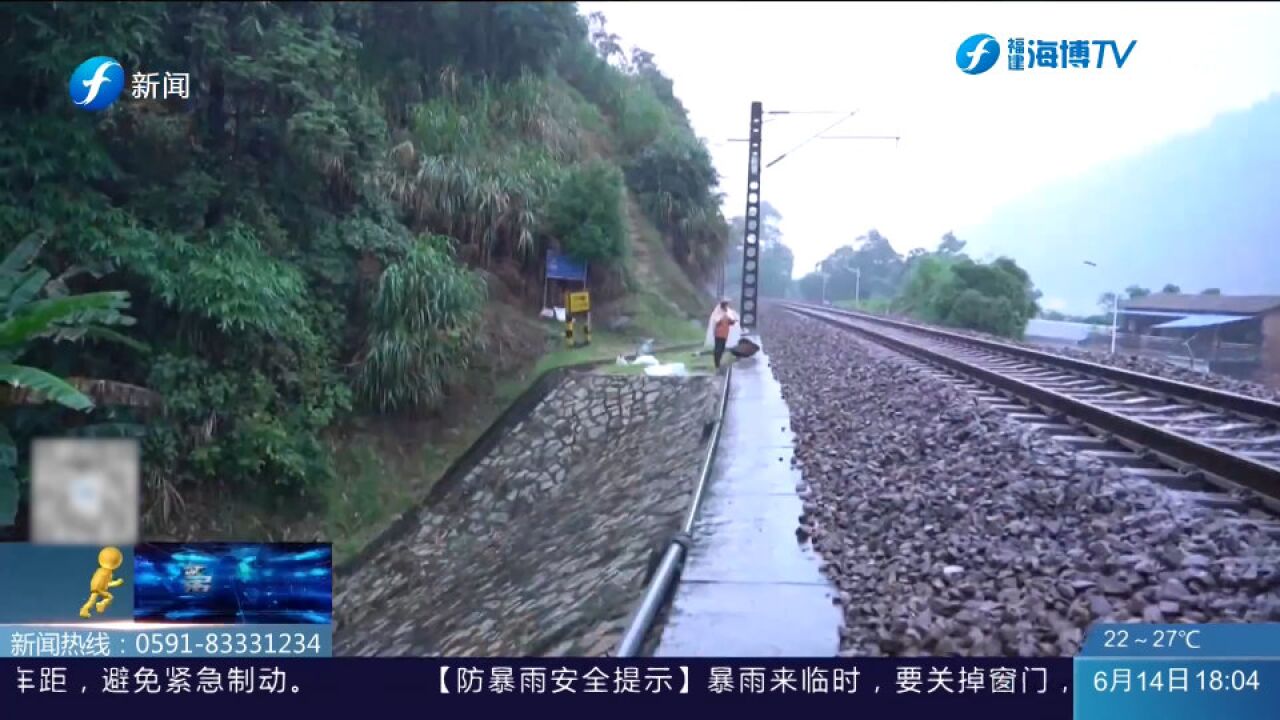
column 669, row 569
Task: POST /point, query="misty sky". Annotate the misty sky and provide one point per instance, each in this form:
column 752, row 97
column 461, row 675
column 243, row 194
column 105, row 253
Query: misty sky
column 969, row 143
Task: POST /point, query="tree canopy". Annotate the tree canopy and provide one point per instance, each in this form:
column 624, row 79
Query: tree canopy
column 944, row 286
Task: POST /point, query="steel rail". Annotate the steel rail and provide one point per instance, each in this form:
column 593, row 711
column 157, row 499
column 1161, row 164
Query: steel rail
column 1222, row 399
column 1229, row 466
column 668, row 571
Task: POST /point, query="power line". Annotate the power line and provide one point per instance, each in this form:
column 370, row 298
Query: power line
column 808, row 112
column 811, row 139
column 834, row 137
column 860, row 137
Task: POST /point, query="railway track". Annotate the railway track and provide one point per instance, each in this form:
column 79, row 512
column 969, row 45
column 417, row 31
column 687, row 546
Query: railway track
column 1188, row 437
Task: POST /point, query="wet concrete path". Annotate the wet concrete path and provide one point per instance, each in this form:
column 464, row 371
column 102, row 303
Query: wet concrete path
column 749, row 588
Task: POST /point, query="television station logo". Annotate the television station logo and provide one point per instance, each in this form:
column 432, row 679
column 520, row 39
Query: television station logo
column 96, row 83
column 979, row 53
column 99, row 81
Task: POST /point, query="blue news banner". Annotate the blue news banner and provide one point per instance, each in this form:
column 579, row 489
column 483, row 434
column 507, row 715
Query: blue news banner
column 1172, row 672
column 907, row 687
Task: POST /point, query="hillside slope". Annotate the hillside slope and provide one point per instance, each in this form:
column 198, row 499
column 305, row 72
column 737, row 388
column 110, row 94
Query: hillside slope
column 1199, row 211
column 342, row 224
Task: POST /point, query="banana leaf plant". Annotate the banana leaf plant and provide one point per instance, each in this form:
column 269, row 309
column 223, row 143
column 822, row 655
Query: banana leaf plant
column 34, row 305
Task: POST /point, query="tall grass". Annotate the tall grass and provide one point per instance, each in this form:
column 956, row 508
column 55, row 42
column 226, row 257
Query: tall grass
column 484, row 160
column 492, row 210
column 423, row 329
column 642, row 120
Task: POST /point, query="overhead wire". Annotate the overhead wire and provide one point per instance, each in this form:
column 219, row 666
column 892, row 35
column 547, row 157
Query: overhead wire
column 815, row 136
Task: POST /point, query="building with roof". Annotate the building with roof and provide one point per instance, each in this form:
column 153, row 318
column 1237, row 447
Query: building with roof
column 1236, row 334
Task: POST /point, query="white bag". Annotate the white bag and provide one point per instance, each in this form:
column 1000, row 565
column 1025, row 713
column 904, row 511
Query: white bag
column 670, row 370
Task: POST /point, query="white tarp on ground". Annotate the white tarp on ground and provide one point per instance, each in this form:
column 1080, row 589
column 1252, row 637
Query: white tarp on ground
column 668, row 370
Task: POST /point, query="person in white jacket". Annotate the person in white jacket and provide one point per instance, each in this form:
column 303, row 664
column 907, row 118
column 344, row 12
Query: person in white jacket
column 722, row 327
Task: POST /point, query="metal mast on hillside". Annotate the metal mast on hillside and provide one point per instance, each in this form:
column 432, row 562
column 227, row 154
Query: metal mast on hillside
column 751, row 229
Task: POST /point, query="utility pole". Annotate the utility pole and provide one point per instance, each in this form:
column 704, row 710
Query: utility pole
column 751, row 224
column 1115, row 319
column 857, row 287
column 1115, row 311
column 751, row 231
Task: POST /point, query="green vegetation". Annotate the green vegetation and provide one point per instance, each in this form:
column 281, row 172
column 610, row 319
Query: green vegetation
column 656, row 281
column 586, row 214
column 877, row 306
column 37, row 311
column 673, row 178
column 310, row 242
column 990, row 297
column 869, row 270
column 776, row 260
column 652, row 317
column 421, row 329
column 944, row 287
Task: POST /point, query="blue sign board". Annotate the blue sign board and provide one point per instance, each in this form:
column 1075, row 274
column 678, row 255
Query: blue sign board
column 563, row 267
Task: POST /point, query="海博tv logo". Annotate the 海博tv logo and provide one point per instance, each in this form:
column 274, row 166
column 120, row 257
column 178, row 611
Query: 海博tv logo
column 980, row 53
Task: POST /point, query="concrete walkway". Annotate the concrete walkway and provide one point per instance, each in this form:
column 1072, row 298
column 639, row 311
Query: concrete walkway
column 749, row 589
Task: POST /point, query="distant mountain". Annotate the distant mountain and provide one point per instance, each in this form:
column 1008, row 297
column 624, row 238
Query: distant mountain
column 1200, row 211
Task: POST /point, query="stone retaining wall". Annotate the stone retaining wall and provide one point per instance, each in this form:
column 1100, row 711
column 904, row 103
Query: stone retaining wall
column 545, row 546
